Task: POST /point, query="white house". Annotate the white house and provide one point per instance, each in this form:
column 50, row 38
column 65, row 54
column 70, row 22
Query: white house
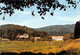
column 57, row 38
column 23, row 36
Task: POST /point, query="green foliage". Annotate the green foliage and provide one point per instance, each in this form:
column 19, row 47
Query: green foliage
column 69, row 36
column 42, row 6
column 0, row 38
column 72, row 47
column 29, row 46
column 66, row 36
column 32, row 39
column 58, row 29
column 11, row 31
column 47, row 38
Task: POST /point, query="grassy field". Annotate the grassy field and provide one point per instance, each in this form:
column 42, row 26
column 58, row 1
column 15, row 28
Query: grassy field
column 40, row 46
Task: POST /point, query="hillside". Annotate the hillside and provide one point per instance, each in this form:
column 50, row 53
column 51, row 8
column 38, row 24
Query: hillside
column 10, row 31
column 58, row 29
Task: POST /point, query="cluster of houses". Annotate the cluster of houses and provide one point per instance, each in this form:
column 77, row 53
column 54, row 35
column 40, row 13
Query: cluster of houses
column 57, row 38
column 23, row 36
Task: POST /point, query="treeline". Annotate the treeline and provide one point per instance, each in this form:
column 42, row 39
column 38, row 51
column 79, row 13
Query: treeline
column 11, row 31
column 76, row 33
column 58, row 30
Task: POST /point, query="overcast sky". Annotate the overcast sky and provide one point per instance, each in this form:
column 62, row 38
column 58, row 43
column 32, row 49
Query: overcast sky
column 70, row 16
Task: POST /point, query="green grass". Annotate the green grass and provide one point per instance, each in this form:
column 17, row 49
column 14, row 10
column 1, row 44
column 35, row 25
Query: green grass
column 39, row 46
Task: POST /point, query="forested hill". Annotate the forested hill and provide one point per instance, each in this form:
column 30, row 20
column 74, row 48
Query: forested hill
column 10, row 31
column 58, row 29
column 14, row 28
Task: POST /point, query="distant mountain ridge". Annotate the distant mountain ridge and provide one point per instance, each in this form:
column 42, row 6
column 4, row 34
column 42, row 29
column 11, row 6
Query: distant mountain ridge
column 58, row 29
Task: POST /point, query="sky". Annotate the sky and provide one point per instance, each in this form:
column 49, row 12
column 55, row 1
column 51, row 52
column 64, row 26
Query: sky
column 70, row 16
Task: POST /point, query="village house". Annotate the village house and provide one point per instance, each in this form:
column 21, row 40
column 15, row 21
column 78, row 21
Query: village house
column 23, row 36
column 57, row 38
column 37, row 38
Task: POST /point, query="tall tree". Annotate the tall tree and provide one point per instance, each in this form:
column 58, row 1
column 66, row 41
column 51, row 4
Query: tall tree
column 77, row 30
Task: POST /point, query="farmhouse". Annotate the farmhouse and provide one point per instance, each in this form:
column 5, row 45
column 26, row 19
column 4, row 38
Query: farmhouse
column 23, row 36
column 57, row 38
column 37, row 38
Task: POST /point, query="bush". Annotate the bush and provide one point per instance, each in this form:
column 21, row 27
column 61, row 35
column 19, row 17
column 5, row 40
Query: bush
column 0, row 38
column 68, row 36
column 32, row 39
column 47, row 38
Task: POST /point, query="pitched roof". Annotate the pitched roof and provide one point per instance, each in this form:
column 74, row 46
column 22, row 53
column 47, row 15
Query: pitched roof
column 19, row 35
column 25, row 34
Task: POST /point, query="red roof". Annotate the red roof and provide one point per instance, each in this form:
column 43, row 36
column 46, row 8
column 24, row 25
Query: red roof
column 22, row 36
column 19, row 35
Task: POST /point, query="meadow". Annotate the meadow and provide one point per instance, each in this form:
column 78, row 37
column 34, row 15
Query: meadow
column 45, row 47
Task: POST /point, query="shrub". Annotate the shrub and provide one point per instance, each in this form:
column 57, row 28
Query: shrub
column 32, row 39
column 68, row 36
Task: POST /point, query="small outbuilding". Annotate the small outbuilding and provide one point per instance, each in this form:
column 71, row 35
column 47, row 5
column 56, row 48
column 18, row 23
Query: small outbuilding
column 37, row 38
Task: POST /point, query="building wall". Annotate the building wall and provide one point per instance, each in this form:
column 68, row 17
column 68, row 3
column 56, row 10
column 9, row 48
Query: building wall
column 37, row 38
column 57, row 38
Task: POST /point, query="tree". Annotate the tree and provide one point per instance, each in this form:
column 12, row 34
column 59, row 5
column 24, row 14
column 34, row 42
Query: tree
column 32, row 39
column 68, row 36
column 77, row 30
column 42, row 6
